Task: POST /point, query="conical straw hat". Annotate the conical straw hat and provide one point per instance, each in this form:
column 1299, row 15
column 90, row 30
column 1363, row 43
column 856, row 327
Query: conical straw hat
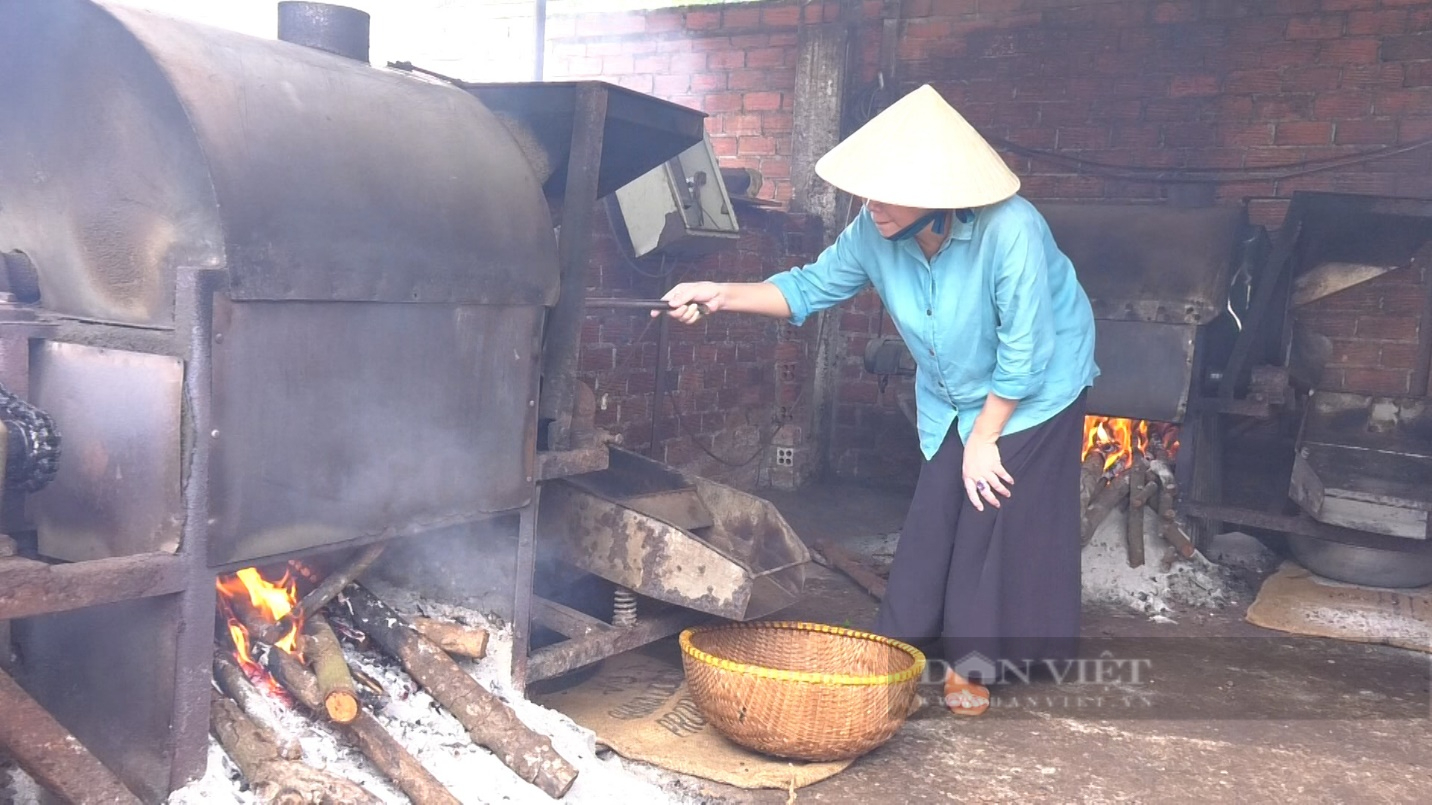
column 919, row 153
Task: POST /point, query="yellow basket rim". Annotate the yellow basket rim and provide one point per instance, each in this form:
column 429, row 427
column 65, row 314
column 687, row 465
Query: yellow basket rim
column 805, row 676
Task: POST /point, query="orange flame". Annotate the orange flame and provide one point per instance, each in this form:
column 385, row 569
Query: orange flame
column 1120, row 439
column 268, row 601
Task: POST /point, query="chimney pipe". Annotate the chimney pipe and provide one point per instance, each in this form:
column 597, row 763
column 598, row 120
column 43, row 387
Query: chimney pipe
column 336, row 29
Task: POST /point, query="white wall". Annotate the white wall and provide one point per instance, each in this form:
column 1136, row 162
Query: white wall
column 476, row 40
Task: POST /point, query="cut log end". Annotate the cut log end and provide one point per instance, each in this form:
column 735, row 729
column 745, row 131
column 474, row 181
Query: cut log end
column 341, row 706
column 464, row 641
column 335, row 681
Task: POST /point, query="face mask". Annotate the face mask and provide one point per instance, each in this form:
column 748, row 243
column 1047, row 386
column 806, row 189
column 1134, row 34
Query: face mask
column 935, row 217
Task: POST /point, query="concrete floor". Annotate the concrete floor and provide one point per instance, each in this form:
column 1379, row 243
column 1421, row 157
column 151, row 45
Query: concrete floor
column 1228, row 712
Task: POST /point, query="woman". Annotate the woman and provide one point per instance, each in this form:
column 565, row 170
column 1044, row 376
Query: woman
column 1003, row 337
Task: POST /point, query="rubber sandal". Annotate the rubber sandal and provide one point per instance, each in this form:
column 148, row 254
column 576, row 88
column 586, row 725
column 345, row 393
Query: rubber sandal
column 965, row 698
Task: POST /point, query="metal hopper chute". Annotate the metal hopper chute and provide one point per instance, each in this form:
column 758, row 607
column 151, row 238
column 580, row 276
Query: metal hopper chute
column 676, row 538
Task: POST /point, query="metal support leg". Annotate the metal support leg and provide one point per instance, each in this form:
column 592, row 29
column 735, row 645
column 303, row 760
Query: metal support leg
column 195, row 642
column 564, row 327
column 522, row 592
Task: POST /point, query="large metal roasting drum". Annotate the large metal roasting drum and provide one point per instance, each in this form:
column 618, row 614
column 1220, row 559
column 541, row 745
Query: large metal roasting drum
column 381, row 240
column 286, row 301
column 280, row 302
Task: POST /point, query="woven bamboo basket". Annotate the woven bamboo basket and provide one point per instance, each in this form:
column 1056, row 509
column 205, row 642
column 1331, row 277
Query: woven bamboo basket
column 801, row 690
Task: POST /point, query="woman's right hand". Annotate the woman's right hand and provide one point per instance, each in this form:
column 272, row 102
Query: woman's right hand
column 691, row 300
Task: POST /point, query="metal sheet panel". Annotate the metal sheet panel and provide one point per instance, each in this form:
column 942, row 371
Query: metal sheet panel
column 1150, row 263
column 639, row 132
column 119, row 415
column 107, row 674
column 1366, row 463
column 1146, row 369
column 747, row 564
column 344, row 420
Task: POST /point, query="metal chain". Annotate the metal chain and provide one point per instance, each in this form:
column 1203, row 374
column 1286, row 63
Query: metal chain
column 32, row 471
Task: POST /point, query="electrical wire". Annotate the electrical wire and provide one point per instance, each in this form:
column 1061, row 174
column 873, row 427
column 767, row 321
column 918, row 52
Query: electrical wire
column 623, row 244
column 867, row 101
column 1196, row 175
column 692, row 436
column 696, row 439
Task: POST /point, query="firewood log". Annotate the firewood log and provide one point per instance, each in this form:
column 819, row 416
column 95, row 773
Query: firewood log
column 257, row 706
column 331, row 586
column 454, row 638
column 489, row 721
column 368, row 682
column 395, row 762
column 1091, row 478
column 1172, row 532
column 270, row 777
column 325, row 656
column 1103, row 505
column 1139, row 494
column 1165, row 475
column 853, row 568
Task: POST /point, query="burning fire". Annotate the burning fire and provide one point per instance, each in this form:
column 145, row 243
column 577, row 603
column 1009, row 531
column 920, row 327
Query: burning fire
column 1119, row 440
column 263, row 600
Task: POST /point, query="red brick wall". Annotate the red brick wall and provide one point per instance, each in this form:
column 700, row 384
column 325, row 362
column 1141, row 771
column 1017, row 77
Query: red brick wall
column 1175, row 85
column 1374, row 330
column 737, row 63
column 731, row 379
column 872, row 437
column 1191, row 84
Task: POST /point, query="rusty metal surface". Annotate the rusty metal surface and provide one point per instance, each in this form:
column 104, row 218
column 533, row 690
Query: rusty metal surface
column 50, row 754
column 337, row 421
column 1366, row 463
column 117, row 491
column 105, row 673
column 748, row 564
column 565, row 620
column 751, row 529
column 524, row 574
column 682, row 508
column 649, row 487
column 1150, row 263
column 562, row 463
column 562, row 339
column 188, row 748
column 1146, row 369
column 570, row 655
column 628, row 475
column 280, row 171
column 642, row 554
column 29, row 587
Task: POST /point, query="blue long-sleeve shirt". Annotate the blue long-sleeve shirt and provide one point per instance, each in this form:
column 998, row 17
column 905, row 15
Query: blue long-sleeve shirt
column 997, row 309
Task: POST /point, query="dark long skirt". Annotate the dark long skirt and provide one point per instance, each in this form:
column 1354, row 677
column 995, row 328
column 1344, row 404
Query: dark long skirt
column 1000, row 586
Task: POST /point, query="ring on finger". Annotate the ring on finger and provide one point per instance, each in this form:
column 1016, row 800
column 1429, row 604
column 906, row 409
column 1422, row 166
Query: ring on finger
column 980, row 485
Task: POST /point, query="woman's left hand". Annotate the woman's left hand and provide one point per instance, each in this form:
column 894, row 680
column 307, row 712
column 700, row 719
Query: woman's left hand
column 985, row 476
